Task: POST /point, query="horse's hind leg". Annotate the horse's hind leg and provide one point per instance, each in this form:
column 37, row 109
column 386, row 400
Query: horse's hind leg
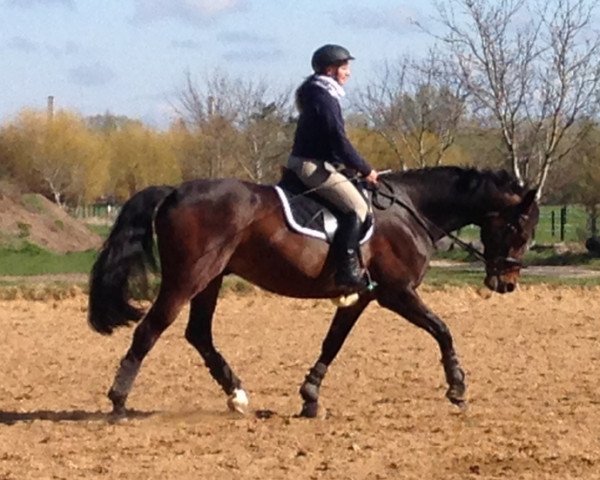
column 162, row 313
column 199, row 334
column 342, row 323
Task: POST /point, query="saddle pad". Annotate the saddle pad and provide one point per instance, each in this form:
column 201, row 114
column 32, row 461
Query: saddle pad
column 308, row 217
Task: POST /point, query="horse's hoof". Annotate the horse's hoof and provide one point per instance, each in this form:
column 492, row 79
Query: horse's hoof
column 462, row 405
column 457, row 398
column 118, row 414
column 310, row 410
column 238, row 401
column 456, row 395
column 309, row 392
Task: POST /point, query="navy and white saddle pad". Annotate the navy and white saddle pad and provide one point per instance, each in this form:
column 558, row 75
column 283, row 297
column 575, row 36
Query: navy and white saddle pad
column 310, row 215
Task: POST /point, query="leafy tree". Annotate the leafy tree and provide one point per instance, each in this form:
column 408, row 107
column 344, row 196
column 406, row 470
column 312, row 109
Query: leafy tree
column 140, row 157
column 56, row 156
column 108, row 122
column 579, row 179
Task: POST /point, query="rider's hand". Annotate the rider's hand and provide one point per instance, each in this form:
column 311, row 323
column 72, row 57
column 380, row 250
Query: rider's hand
column 372, row 177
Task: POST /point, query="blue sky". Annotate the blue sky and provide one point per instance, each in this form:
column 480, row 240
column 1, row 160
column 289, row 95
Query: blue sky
column 130, row 57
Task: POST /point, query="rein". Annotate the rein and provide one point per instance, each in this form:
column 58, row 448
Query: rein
column 495, row 265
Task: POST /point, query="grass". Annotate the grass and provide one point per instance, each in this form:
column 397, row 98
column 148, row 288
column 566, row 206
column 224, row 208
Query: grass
column 29, row 259
column 102, row 230
column 24, row 259
column 440, row 277
column 575, row 228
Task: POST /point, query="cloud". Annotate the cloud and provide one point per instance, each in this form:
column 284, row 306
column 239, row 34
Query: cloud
column 194, row 11
column 32, row 3
column 91, row 75
column 23, row 45
column 69, row 48
column 186, row 44
column 398, row 20
column 233, row 38
column 251, row 55
column 240, row 36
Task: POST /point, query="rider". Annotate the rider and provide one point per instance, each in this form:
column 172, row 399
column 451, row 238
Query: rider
column 321, row 144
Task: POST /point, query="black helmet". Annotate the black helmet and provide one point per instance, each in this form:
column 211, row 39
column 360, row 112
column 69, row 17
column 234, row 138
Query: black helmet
column 329, row 55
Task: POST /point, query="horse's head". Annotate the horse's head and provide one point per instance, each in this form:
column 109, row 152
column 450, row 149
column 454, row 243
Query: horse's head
column 506, row 235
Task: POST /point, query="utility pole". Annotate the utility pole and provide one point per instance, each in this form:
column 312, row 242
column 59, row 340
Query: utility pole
column 50, row 107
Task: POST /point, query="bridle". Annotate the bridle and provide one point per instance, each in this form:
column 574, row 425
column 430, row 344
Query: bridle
column 496, row 266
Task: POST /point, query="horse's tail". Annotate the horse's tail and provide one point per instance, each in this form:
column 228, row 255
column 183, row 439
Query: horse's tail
column 125, row 255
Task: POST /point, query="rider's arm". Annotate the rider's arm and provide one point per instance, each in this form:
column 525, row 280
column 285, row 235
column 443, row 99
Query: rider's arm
column 343, row 151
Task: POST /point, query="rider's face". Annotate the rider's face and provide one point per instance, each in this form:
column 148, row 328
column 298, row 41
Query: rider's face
column 343, row 73
column 340, row 73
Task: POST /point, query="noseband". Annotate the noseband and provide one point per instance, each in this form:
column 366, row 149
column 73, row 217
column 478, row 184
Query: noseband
column 503, row 265
column 496, row 266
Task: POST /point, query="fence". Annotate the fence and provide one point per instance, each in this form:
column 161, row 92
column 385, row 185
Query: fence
column 102, row 212
column 567, row 223
column 558, row 223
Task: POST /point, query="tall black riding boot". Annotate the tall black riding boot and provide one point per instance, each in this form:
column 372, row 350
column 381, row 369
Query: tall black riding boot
column 345, row 248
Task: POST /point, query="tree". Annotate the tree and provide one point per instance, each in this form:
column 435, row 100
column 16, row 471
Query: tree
column 237, row 125
column 531, row 72
column 579, row 180
column 140, row 157
column 108, row 122
column 416, row 108
column 56, row 156
column 267, row 138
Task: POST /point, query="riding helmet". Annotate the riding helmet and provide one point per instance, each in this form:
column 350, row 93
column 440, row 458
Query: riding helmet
column 329, row 55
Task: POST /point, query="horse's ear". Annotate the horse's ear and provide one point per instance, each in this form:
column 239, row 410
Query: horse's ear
column 527, row 201
column 529, row 198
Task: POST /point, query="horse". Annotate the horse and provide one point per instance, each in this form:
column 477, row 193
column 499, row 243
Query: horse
column 208, row 228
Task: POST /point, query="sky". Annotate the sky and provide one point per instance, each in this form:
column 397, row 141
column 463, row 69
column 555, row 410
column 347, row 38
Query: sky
column 131, row 57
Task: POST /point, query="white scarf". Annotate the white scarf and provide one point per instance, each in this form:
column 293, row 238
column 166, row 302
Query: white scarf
column 330, row 85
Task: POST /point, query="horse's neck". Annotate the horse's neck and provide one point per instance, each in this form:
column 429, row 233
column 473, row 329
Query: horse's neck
column 447, row 211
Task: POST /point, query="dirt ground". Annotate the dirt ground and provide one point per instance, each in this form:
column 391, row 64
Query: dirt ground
column 531, row 357
column 37, row 220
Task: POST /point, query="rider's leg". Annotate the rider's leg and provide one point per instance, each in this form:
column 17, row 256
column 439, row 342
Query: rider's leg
column 340, row 192
column 345, row 249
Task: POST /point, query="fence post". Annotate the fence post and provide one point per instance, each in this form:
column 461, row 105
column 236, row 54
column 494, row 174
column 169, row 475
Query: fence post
column 563, row 221
column 552, row 223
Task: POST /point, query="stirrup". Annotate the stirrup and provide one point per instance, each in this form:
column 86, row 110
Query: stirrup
column 349, row 299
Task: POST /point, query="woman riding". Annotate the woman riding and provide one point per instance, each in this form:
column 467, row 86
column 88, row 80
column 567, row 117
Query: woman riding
column 321, row 144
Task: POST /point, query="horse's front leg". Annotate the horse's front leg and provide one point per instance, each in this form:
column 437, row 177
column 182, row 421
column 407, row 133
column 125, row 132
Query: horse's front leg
column 342, row 323
column 407, row 303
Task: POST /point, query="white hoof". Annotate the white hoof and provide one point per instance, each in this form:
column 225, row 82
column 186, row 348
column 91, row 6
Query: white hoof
column 238, row 401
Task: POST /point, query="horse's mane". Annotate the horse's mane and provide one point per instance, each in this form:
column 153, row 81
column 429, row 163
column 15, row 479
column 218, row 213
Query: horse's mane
column 465, row 179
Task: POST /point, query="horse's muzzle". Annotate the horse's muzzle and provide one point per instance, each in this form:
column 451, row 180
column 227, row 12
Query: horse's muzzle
column 502, row 274
column 501, row 283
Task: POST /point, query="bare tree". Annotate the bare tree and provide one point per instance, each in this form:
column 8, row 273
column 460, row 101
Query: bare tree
column 240, row 124
column 535, row 77
column 416, row 107
column 268, row 137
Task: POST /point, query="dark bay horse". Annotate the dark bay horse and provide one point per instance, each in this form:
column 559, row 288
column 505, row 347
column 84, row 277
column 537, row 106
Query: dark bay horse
column 206, row 229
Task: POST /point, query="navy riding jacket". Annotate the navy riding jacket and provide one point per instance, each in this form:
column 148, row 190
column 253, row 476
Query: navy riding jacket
column 320, row 133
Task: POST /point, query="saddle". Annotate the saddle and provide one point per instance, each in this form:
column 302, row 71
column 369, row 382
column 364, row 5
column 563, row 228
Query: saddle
column 308, row 214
